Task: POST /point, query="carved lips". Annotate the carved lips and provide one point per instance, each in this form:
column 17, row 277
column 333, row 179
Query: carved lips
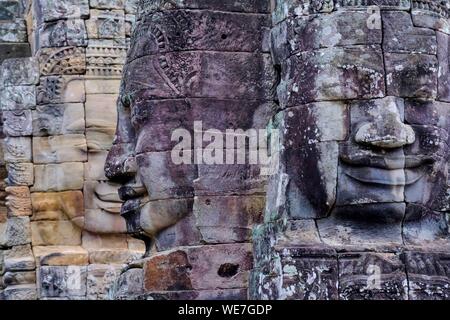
column 395, row 171
column 396, row 177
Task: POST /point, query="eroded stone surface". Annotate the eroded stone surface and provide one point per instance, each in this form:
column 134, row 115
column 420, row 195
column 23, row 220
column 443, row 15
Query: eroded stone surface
column 225, row 266
column 59, row 177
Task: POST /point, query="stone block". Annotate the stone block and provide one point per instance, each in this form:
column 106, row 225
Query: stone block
column 20, row 174
column 94, row 241
column 309, row 273
column 21, row 292
column 107, row 4
column 18, row 201
column 61, row 89
column 135, row 244
column 59, row 177
column 248, row 76
column 62, row 281
column 130, row 283
column 19, row 278
column 130, row 23
column 424, row 228
column 199, row 268
column 14, row 50
column 182, row 233
column 168, row 179
column 113, row 256
column 17, row 123
column 62, row 61
column 248, row 6
column 62, row 33
column 17, row 231
column 102, row 196
column 337, row 29
column 63, row 119
column 18, row 97
column 241, row 123
column 302, row 173
column 60, row 256
column 131, row 6
column 99, row 139
column 94, row 168
column 17, row 149
column 200, row 31
column 427, row 113
column 106, row 24
column 59, row 149
column 300, row 233
column 427, row 15
column 9, row 10
column 374, row 276
column 20, row 72
column 51, row 233
column 100, row 280
column 19, row 258
column 411, row 75
column 14, row 31
column 313, row 123
column 101, row 112
column 65, row 9
column 444, row 63
column 427, row 275
column 103, row 222
column 400, row 35
column 103, row 54
column 352, row 226
column 320, row 75
column 102, row 86
column 57, row 205
column 227, row 219
column 294, row 8
column 242, row 179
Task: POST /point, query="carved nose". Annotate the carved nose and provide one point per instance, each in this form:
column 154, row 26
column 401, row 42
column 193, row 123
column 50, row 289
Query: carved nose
column 388, row 131
column 120, row 164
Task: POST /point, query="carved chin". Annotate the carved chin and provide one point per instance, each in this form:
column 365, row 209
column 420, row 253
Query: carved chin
column 155, row 216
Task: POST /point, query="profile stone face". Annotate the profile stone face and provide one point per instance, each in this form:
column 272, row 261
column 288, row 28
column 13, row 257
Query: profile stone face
column 193, row 61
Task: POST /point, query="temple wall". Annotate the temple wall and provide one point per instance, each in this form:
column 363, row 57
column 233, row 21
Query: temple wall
column 62, row 236
column 13, row 44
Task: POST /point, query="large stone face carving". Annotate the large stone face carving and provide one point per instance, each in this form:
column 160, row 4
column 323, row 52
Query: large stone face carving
column 187, row 66
column 364, row 152
column 182, row 67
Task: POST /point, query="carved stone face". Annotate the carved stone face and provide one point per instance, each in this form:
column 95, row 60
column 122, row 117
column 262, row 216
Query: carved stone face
column 365, row 123
column 187, row 66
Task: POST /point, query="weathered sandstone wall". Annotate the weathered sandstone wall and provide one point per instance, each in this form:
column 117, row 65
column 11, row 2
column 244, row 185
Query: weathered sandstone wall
column 62, row 236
